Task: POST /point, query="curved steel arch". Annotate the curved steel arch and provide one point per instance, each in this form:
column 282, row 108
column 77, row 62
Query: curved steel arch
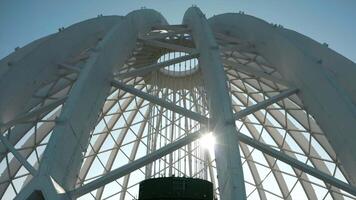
column 95, row 115
column 310, row 67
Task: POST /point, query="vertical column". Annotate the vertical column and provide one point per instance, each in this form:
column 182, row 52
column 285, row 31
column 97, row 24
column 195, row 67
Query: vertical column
column 64, row 154
column 229, row 167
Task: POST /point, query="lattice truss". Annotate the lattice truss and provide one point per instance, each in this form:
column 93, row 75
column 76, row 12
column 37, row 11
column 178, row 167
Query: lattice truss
column 129, row 127
column 30, row 134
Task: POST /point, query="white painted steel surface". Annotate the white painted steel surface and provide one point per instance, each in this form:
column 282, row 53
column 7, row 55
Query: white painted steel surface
column 88, row 112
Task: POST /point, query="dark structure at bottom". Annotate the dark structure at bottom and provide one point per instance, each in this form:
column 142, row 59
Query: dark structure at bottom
column 176, row 188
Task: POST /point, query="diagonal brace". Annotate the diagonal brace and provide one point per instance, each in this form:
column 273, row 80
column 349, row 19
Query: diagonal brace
column 17, row 155
column 297, row 164
column 144, row 70
column 33, row 114
column 69, row 67
column 169, row 46
column 173, row 27
column 265, row 103
column 254, row 72
column 134, row 165
column 161, row 102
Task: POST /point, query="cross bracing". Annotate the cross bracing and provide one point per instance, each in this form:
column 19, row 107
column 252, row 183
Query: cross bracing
column 160, row 96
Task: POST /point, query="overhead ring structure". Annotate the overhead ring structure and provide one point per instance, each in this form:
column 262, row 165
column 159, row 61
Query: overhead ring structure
column 90, row 111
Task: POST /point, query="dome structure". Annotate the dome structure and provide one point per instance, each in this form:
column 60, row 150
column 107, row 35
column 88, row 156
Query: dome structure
column 260, row 111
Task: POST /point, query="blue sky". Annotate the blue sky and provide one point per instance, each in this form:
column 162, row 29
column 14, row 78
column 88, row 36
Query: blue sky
column 330, row 21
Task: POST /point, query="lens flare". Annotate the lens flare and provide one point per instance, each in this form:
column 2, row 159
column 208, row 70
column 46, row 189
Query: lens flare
column 207, row 141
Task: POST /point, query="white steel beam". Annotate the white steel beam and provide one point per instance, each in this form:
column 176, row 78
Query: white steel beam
column 17, row 155
column 63, row 155
column 158, row 36
column 325, row 79
column 146, row 69
column 280, row 142
column 230, row 174
column 102, row 137
column 173, row 27
column 134, row 165
column 297, row 164
column 161, row 102
column 169, row 46
column 15, row 166
column 69, row 67
column 133, row 152
column 254, row 72
column 30, row 115
column 119, row 141
column 36, row 64
column 265, row 103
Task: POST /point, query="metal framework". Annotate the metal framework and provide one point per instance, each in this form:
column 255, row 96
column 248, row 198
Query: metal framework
column 90, row 111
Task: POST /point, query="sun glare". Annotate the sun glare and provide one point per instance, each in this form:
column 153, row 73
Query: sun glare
column 207, row 141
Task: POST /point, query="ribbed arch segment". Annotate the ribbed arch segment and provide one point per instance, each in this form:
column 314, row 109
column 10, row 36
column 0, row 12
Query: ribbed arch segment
column 166, row 64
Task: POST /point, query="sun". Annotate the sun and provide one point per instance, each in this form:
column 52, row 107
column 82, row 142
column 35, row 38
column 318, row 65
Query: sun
column 207, row 141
